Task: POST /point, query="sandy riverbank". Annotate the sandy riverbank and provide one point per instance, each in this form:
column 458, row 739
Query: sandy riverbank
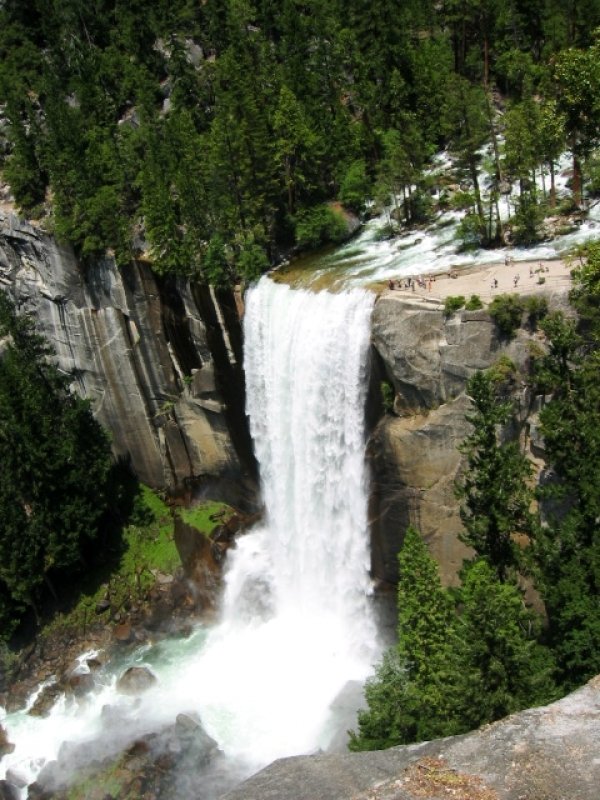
column 481, row 280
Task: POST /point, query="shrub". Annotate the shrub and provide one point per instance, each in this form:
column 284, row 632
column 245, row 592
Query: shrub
column 355, row 187
column 387, row 396
column 319, row 225
column 421, row 206
column 452, row 304
column 252, row 261
column 470, row 232
column 527, row 221
column 507, row 311
column 474, row 303
column 503, row 371
column 537, row 309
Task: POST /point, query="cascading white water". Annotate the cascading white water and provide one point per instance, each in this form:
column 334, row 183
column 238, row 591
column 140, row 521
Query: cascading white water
column 296, row 624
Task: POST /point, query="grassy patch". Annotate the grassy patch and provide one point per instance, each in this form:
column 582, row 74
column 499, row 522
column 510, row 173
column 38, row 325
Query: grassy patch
column 126, row 574
column 131, row 557
column 206, row 516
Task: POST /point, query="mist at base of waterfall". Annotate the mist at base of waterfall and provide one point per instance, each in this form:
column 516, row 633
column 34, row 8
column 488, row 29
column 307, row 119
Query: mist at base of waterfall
column 281, row 672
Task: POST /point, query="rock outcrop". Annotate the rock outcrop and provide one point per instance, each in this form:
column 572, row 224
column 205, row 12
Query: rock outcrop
column 159, row 359
column 547, row 753
column 428, row 359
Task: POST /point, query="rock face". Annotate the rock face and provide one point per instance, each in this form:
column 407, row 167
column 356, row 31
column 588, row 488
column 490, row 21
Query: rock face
column 160, row 360
column 539, row 754
column 428, row 359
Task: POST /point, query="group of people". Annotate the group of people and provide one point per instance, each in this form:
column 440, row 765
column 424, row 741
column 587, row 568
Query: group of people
column 411, row 283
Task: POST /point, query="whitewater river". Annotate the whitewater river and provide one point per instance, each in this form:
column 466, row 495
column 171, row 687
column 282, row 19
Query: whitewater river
column 368, row 259
column 296, row 627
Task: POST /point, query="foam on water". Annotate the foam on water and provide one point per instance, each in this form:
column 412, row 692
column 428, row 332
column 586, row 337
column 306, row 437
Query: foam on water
column 296, row 625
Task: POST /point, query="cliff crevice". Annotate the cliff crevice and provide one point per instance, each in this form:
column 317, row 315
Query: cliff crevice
column 145, row 353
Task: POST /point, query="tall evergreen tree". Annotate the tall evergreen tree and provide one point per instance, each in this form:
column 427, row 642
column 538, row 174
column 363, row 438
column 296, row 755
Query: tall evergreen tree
column 494, row 489
column 55, row 468
column 413, row 694
column 568, row 550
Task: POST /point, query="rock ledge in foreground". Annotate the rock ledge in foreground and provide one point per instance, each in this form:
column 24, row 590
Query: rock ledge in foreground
column 548, row 753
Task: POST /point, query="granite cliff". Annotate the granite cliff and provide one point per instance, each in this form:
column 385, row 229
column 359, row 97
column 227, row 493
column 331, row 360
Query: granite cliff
column 159, row 359
column 428, row 357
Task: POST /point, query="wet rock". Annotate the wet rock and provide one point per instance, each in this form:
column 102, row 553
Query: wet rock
column 136, row 680
column 123, row 633
column 8, row 791
column 190, row 732
column 80, row 683
column 6, row 747
column 45, row 700
column 16, row 778
column 543, row 753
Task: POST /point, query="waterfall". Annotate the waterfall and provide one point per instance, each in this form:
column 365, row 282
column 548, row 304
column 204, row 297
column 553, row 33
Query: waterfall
column 296, row 605
column 306, row 361
column 296, row 626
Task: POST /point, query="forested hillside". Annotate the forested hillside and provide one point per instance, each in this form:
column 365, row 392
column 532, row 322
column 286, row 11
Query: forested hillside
column 209, row 136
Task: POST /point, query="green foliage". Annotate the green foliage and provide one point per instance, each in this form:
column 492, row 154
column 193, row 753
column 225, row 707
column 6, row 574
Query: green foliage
column 215, row 263
column 507, row 312
column 527, row 220
column 453, row 303
column 502, row 373
column 252, row 262
column 318, row 226
column 462, row 658
column 56, row 466
column 205, row 516
column 470, row 232
column 387, row 396
column 289, row 109
column 505, row 667
column 474, row 303
column 411, row 697
column 568, row 547
column 354, row 187
column 125, row 573
column 495, row 489
column 536, row 308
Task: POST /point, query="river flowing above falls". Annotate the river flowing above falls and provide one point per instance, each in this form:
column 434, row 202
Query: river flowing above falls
column 296, row 625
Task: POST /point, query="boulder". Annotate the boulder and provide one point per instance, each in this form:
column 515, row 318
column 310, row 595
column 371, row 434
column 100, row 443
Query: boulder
column 123, row 633
column 80, row 683
column 45, row 700
column 6, row 747
column 16, row 778
column 190, row 732
column 136, row 680
column 547, row 753
column 8, row 791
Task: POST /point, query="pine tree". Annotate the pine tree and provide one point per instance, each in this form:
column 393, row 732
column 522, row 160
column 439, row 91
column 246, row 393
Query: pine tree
column 494, row 489
column 568, row 546
column 55, row 468
column 504, row 667
column 412, row 696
